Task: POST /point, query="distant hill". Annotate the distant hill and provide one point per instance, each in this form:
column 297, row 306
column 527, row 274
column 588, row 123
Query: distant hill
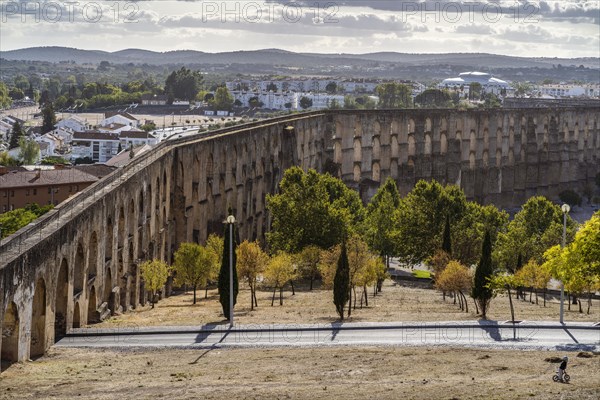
column 277, row 57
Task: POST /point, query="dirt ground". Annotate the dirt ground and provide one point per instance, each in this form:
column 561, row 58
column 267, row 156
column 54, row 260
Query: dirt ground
column 322, row 373
column 396, row 302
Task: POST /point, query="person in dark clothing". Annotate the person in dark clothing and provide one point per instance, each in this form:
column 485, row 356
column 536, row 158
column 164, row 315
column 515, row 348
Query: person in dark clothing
column 562, row 368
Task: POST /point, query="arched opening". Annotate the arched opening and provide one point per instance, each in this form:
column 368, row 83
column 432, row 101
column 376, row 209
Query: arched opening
column 62, row 295
column 356, row 173
column 443, row 143
column 427, row 144
column 10, row 334
column 376, row 149
column 357, row 150
column 472, row 160
column 131, row 219
column 37, row 345
column 78, row 271
column 108, row 291
column 376, row 172
column 93, row 256
column 92, row 307
column 76, row 316
column 132, row 275
column 108, row 252
column 121, row 227
column 411, row 145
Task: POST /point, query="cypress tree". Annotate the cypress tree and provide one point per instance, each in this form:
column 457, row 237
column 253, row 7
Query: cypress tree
column 224, row 273
column 15, row 135
column 49, row 118
column 341, row 283
column 447, row 244
column 481, row 292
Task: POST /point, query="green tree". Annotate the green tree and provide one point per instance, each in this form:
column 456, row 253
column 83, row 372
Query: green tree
column 16, row 93
column 394, row 95
column 224, row 276
column 251, row 262
column 15, row 135
column 48, row 118
column 331, row 87
column 446, row 242
column 5, row 100
column 254, row 102
column 192, row 265
column 535, row 228
column 481, row 292
column 475, row 91
column 8, row 161
column 272, row 87
column 381, row 230
column 223, row 99
column 29, row 151
column 305, row 102
column 422, row 215
column 280, row 270
column 505, row 283
column 183, row 84
column 311, row 209
column 155, row 274
column 434, row 98
column 308, row 263
column 341, row 283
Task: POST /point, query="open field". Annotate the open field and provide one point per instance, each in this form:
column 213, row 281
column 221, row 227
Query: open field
column 394, row 303
column 321, row 373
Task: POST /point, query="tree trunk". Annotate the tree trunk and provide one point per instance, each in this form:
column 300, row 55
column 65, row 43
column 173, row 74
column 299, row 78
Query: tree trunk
column 195, row 287
column 281, row 296
column 466, row 302
column 536, row 297
column 575, row 299
column 349, row 302
column 569, row 301
column 367, row 296
column 589, row 302
column 312, row 278
column 273, row 299
column 152, row 299
column 531, row 295
column 476, row 307
column 293, row 290
column 512, row 309
column 354, row 293
column 579, row 302
column 251, row 298
column 460, row 302
column 544, row 297
column 255, row 300
column 206, row 291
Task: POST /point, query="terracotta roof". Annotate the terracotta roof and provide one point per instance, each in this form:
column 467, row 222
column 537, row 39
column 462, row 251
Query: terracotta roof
column 23, row 179
column 98, row 170
column 94, row 135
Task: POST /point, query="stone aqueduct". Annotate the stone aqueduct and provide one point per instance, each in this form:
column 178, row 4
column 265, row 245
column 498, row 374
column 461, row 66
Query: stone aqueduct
column 80, row 262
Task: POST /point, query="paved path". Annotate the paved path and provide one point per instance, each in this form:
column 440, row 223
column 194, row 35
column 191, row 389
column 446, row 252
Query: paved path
column 526, row 335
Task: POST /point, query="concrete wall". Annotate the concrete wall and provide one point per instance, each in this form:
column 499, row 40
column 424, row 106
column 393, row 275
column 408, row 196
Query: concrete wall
column 80, row 263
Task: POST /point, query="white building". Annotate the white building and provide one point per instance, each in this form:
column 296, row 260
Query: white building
column 137, row 138
column 120, row 118
column 569, row 90
column 49, row 144
column 99, row 146
column 6, row 124
column 74, row 123
column 487, row 82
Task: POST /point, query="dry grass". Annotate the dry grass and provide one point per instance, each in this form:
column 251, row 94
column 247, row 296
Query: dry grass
column 323, row 373
column 394, row 303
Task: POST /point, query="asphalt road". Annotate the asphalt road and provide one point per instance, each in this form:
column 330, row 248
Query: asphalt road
column 530, row 336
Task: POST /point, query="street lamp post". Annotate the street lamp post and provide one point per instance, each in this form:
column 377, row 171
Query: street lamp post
column 565, row 209
column 230, row 222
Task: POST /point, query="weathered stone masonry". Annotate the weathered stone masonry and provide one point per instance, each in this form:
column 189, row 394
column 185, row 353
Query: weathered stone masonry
column 80, row 263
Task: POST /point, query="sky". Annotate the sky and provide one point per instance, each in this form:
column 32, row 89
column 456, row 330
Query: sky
column 567, row 28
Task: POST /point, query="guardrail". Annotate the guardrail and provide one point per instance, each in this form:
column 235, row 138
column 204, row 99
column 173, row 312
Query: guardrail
column 19, row 241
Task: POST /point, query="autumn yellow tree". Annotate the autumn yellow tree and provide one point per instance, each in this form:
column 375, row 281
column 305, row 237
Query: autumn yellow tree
column 251, row 262
column 328, row 260
column 534, row 276
column 280, row 270
column 214, row 244
column 308, row 263
column 458, row 279
column 192, row 266
column 155, row 274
